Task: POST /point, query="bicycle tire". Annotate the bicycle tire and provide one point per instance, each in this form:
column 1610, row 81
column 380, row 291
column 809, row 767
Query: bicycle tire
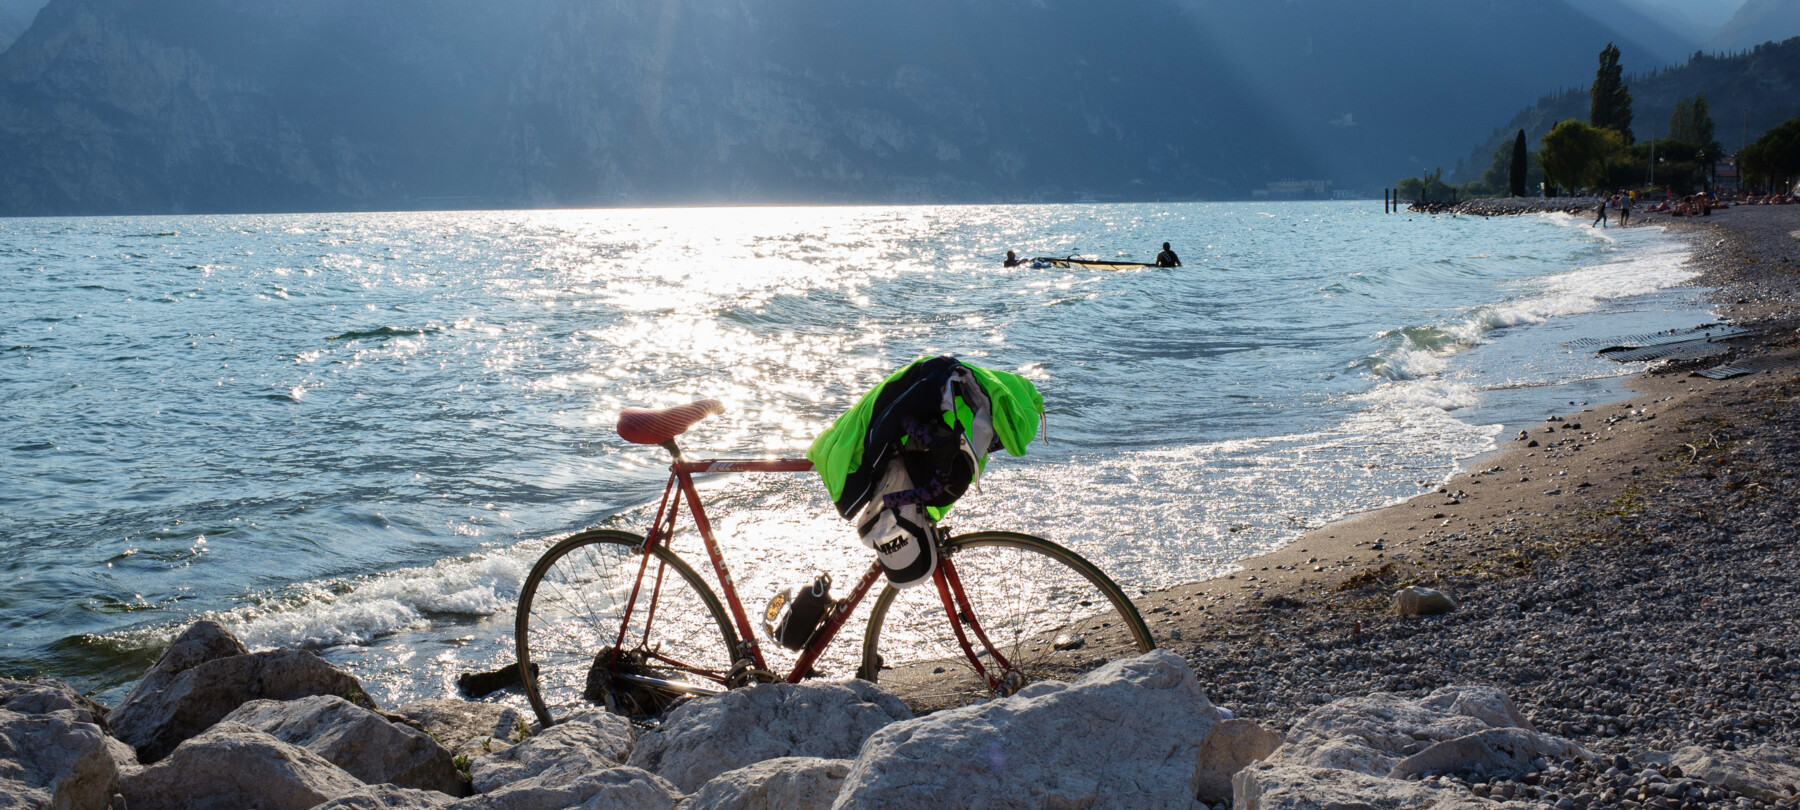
column 1050, row 613
column 570, row 611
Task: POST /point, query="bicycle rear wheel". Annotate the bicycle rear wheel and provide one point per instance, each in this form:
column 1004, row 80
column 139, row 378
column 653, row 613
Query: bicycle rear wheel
column 1048, row 613
column 572, row 607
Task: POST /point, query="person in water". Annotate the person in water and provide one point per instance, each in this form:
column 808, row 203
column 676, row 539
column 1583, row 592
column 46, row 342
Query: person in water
column 1167, row 257
column 1012, row 260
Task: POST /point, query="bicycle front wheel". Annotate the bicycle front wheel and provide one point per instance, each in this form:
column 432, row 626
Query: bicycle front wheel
column 584, row 642
column 1048, row 613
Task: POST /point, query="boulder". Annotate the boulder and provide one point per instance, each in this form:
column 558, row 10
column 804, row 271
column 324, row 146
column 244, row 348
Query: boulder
column 1494, row 752
column 199, row 643
column 43, row 696
column 358, row 740
column 788, row 783
column 157, row 720
column 232, row 766
column 1372, row 734
column 1762, row 772
column 621, row 788
column 54, row 760
column 1413, row 600
column 388, row 797
column 1126, row 735
column 590, row 742
column 1232, row 745
column 1268, row 786
column 709, row 736
column 470, row 729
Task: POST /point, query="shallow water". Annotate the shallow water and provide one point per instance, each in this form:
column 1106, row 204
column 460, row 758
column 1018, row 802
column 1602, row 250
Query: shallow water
column 355, row 432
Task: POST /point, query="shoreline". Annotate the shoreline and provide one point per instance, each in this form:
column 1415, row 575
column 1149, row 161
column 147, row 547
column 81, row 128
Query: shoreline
column 1549, row 547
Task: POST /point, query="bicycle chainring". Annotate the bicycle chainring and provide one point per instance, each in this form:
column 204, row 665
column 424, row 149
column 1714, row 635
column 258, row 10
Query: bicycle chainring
column 621, row 696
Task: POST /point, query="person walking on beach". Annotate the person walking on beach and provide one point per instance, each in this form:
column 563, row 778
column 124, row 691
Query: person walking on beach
column 1167, row 257
column 1600, row 220
column 1624, row 210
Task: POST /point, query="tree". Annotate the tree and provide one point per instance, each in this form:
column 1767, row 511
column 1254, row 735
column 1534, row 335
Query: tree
column 1609, row 106
column 1516, row 178
column 1692, row 122
column 1574, row 154
column 1775, row 157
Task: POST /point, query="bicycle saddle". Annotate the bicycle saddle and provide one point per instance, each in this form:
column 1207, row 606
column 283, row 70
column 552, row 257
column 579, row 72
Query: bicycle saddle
column 658, row 425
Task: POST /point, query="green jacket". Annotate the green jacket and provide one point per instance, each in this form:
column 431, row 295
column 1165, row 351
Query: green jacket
column 1015, row 402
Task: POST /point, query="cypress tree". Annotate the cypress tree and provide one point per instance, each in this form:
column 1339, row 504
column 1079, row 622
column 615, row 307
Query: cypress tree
column 1516, row 182
column 1681, row 121
column 1703, row 126
column 1610, row 101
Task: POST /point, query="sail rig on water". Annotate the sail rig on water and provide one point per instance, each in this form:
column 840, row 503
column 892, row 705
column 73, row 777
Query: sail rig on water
column 1069, row 262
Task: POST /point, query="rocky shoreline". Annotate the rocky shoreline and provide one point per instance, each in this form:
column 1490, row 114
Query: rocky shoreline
column 1625, row 633
column 1508, row 206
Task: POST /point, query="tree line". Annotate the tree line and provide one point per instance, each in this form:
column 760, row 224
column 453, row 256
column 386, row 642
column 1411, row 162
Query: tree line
column 1602, row 153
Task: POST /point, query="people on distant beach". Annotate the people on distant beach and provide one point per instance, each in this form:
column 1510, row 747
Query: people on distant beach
column 1012, row 260
column 1167, row 257
column 1624, row 209
column 1600, row 214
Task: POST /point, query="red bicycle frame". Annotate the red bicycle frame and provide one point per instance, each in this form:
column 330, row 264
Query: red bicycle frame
column 681, row 484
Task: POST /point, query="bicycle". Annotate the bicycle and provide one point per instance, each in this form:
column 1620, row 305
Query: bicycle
column 610, row 618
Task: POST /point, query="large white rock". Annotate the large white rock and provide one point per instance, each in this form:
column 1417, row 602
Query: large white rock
column 192, row 700
column 233, row 766
column 1232, row 745
column 1266, row 786
column 1126, row 735
column 1762, row 772
column 621, row 788
column 709, row 736
column 54, row 760
column 387, row 797
column 591, row 742
column 43, row 696
column 357, row 740
column 788, row 783
column 1494, row 752
column 1371, row 734
column 467, row 728
column 1414, row 600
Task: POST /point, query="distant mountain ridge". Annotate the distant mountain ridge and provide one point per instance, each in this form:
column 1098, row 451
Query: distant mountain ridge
column 1757, row 22
column 134, row 106
column 1747, row 93
column 15, row 17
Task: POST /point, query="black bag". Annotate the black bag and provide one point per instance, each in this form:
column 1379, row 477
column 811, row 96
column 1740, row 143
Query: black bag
column 792, row 620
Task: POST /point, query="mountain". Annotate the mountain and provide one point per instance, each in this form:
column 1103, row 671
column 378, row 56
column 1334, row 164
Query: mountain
column 1669, row 43
column 15, row 17
column 1698, row 19
column 1747, row 93
column 135, row 106
column 1758, row 21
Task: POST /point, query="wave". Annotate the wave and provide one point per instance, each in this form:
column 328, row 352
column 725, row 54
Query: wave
column 328, row 614
column 1648, row 261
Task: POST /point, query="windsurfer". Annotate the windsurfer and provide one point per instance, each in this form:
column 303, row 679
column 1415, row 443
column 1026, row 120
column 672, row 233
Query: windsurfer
column 1167, row 257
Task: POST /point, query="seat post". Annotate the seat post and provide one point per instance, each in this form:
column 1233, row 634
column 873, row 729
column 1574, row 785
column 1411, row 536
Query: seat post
column 673, row 450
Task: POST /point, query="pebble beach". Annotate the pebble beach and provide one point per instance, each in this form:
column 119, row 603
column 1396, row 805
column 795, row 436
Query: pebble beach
column 1626, row 572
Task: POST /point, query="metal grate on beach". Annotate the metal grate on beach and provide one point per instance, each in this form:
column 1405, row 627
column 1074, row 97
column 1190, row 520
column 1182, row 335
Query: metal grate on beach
column 1743, row 367
column 1711, row 331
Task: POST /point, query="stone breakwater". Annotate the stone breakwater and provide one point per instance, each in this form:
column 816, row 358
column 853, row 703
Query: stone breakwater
column 214, row 726
column 1509, row 206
